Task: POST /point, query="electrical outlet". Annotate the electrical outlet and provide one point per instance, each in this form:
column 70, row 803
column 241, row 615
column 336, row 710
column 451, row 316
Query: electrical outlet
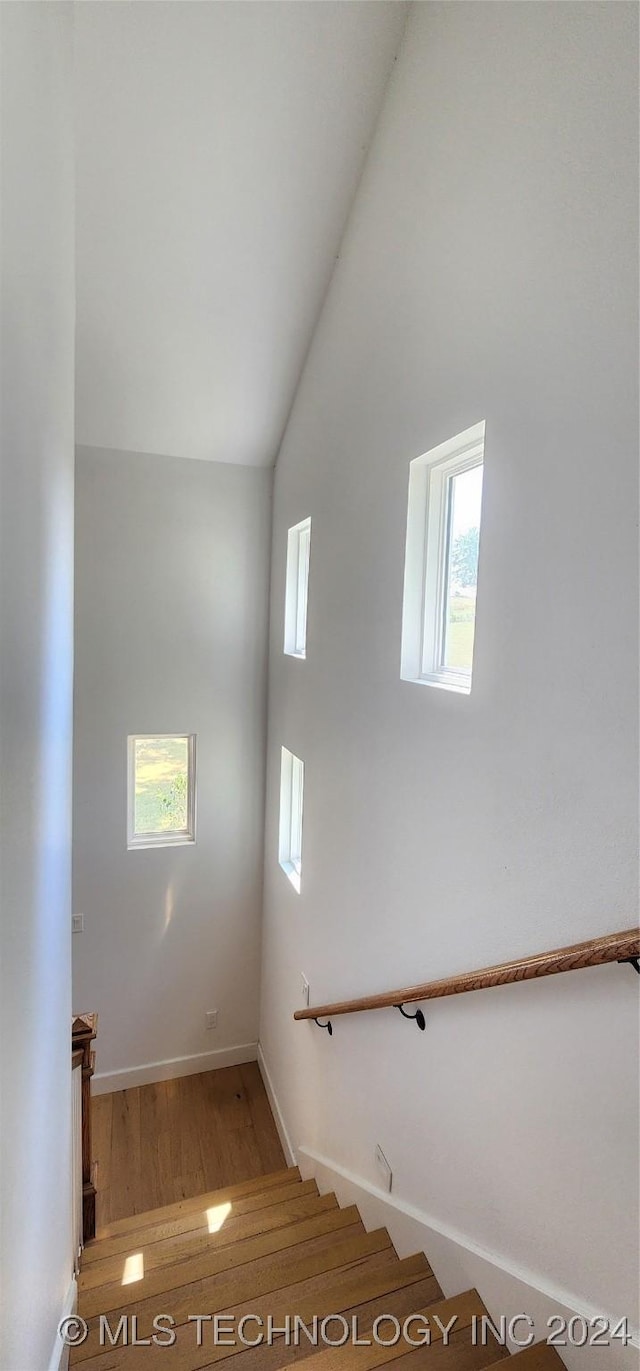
column 305, row 989
column 385, row 1172
column 77, row 923
column 211, row 1018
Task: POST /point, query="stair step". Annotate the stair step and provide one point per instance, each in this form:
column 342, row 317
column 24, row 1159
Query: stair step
column 134, row 1222
column 453, row 1354
column 247, row 1284
column 212, row 1261
column 460, row 1354
column 540, row 1357
column 185, row 1246
column 199, row 1216
column 369, row 1278
column 400, row 1303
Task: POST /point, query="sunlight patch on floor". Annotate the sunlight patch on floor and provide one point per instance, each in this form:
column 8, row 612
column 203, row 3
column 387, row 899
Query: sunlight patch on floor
column 216, row 1216
column 133, row 1269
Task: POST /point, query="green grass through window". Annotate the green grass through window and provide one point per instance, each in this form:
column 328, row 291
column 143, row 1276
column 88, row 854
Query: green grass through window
column 162, row 783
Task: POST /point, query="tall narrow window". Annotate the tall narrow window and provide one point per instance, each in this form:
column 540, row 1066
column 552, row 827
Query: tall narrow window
column 291, row 806
column 441, row 562
column 297, row 589
column 161, row 787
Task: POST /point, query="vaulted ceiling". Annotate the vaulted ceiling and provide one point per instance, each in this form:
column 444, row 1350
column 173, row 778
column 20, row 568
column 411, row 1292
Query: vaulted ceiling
column 219, row 146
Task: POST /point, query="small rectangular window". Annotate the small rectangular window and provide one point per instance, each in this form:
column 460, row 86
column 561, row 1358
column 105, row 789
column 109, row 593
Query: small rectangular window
column 291, row 806
column 297, row 589
column 161, row 790
column 441, row 562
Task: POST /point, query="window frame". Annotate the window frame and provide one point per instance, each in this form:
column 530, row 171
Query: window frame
column 427, row 556
column 169, row 837
column 296, row 603
column 291, row 816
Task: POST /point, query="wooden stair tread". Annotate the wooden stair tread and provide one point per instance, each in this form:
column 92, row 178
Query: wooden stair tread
column 148, row 1217
column 540, row 1357
column 400, row 1303
column 182, row 1246
column 249, row 1283
column 463, row 1307
column 212, row 1261
column 369, row 1278
column 460, row 1354
column 194, row 1218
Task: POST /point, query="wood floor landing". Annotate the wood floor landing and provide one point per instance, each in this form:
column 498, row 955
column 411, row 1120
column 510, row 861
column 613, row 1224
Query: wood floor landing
column 156, row 1144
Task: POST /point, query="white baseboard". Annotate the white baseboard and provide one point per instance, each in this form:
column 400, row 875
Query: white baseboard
column 104, row 1082
column 460, row 1264
column 281, row 1126
column 59, row 1359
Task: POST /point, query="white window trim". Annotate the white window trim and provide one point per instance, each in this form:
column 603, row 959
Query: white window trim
column 297, row 589
column 426, row 560
column 291, row 816
column 172, row 837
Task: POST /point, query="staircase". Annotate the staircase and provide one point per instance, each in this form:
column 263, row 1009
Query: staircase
column 269, row 1247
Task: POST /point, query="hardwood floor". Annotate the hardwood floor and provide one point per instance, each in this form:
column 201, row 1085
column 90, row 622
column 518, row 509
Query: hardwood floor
column 156, row 1144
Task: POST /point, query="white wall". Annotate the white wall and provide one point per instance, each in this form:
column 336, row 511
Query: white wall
column 36, row 617
column 219, row 148
column 488, row 272
column 172, row 570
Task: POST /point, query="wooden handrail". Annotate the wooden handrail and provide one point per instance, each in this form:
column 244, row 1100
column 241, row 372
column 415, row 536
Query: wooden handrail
column 614, row 947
